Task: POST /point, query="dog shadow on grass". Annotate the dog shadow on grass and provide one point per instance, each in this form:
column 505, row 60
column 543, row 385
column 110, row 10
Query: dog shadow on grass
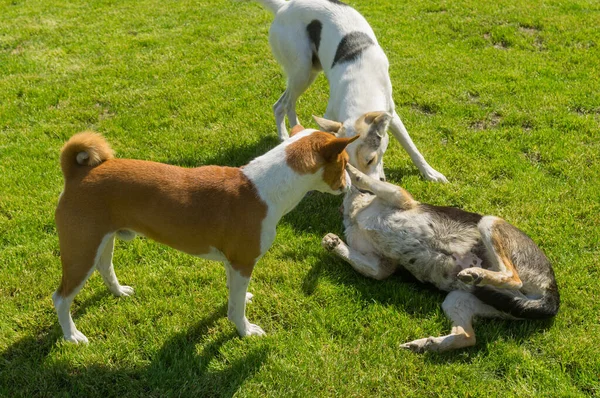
column 184, row 366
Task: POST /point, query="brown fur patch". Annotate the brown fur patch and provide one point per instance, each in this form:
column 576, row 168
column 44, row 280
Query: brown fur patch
column 296, row 129
column 498, row 239
column 190, row 210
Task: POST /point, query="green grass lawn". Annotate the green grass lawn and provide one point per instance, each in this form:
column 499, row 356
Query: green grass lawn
column 501, row 96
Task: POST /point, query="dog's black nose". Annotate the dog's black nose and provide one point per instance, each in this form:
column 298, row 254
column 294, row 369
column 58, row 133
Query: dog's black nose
column 382, row 179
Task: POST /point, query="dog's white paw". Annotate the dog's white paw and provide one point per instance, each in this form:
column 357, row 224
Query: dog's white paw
column 253, row 330
column 330, row 242
column 421, row 345
column 249, row 297
column 76, row 337
column 356, row 177
column 434, row 175
column 123, row 291
column 470, row 276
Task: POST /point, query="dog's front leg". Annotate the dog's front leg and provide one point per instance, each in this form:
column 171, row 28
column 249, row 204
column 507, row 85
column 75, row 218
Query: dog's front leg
column 367, row 264
column 238, row 297
column 399, row 131
column 392, row 194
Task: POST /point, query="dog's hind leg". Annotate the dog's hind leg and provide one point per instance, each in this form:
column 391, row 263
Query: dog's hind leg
column 78, row 257
column 368, row 265
column 390, row 193
column 495, row 234
column 292, row 49
column 298, row 81
column 399, row 131
column 107, row 271
column 460, row 307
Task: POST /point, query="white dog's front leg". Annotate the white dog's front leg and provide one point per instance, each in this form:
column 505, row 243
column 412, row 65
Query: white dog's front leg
column 399, row 131
column 236, row 312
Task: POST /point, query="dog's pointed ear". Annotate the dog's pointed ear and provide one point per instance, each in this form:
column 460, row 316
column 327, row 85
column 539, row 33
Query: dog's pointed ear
column 333, row 148
column 378, row 122
column 328, row 126
column 296, row 129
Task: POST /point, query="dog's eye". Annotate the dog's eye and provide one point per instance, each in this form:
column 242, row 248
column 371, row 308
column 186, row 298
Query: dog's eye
column 371, row 161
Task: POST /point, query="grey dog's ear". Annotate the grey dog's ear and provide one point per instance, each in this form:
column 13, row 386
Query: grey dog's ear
column 374, row 126
column 329, row 126
column 378, row 121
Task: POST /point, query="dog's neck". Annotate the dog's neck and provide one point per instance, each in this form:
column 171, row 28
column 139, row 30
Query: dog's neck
column 277, row 184
column 359, row 87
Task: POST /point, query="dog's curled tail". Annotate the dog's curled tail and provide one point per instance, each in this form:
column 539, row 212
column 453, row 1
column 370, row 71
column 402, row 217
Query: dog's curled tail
column 84, row 149
column 519, row 306
column 272, row 5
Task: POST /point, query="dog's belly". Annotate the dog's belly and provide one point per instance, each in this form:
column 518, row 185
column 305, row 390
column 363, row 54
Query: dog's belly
column 414, row 248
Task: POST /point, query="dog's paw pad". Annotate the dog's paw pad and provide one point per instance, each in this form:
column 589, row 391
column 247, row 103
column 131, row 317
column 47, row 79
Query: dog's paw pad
column 330, row 242
column 470, row 276
column 421, row 345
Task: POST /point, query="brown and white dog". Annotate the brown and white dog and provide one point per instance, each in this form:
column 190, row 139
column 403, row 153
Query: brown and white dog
column 227, row 214
column 489, row 267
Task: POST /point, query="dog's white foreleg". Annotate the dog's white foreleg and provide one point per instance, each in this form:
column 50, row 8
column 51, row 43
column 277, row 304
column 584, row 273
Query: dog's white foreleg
column 399, row 131
column 368, row 265
column 460, row 307
column 228, row 270
column 107, row 271
column 236, row 312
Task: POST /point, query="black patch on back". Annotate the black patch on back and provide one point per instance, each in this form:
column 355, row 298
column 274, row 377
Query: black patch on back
column 314, row 35
column 351, row 47
column 453, row 213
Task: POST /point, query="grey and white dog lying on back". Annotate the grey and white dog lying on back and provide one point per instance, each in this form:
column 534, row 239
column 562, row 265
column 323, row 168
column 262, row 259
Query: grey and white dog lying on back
column 310, row 36
column 490, row 268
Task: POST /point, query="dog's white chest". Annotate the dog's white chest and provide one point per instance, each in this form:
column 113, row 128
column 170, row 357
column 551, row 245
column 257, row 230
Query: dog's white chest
column 467, row 260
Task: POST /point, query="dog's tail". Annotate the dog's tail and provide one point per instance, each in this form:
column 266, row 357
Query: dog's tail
column 518, row 305
column 272, row 5
column 86, row 149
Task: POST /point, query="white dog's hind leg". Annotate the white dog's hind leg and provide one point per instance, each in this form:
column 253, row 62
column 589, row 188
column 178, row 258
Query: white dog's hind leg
column 460, row 307
column 368, row 265
column 292, row 49
column 399, row 131
column 107, row 271
column 236, row 311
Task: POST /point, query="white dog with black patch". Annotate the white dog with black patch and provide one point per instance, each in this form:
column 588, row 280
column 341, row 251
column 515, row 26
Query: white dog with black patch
column 309, row 36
